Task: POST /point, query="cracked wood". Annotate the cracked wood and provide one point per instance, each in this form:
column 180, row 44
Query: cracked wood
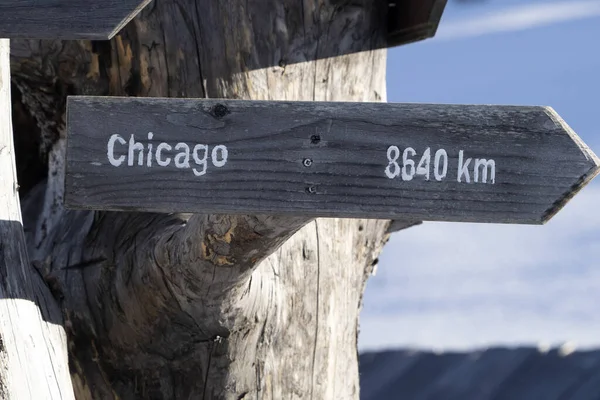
column 157, row 319
column 33, row 357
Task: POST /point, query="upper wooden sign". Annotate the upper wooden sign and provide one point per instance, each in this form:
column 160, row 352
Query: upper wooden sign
column 413, row 20
column 407, row 20
column 66, row 19
column 503, row 164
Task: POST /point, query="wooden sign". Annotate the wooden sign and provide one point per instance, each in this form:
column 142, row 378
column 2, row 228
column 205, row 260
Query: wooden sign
column 66, row 19
column 413, row 20
column 502, row 164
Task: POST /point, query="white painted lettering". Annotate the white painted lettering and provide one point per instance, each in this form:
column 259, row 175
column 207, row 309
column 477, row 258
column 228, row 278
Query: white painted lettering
column 485, row 165
column 224, row 155
column 159, row 159
column 408, row 169
column 441, row 153
column 133, row 147
column 425, row 164
column 182, row 159
column 155, row 150
column 393, row 153
column 483, row 170
column 149, row 156
column 463, row 167
column 111, row 150
column 200, row 161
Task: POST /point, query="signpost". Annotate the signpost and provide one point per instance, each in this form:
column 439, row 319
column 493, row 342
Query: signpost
column 66, row 19
column 407, row 162
column 469, row 163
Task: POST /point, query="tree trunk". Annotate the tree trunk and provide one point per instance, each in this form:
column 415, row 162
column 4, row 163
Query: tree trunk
column 33, row 357
column 204, row 306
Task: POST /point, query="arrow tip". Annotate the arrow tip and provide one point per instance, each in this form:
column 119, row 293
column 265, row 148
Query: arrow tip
column 587, row 177
column 128, row 18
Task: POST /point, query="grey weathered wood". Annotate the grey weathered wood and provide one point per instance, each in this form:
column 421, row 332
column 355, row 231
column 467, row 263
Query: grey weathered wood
column 66, row 19
column 33, row 348
column 141, row 323
column 413, row 20
column 326, row 159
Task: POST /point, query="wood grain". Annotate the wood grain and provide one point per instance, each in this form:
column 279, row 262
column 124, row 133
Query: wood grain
column 66, row 19
column 539, row 162
column 138, row 321
column 33, row 356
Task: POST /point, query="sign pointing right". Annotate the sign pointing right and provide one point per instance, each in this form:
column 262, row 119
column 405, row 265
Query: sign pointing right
column 429, row 162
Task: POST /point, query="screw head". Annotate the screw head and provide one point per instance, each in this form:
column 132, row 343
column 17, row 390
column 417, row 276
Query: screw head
column 311, row 190
column 307, row 162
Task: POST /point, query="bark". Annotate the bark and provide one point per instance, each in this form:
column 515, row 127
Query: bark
column 33, row 357
column 204, row 306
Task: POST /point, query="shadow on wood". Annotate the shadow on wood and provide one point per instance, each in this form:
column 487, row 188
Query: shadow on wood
column 300, row 34
column 411, row 21
column 30, row 317
column 15, row 283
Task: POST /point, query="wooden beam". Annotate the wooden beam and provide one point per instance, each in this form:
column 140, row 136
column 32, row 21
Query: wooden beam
column 33, row 348
column 469, row 163
column 66, row 19
column 413, row 20
column 408, row 20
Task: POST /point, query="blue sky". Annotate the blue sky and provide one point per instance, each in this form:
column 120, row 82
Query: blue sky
column 461, row 286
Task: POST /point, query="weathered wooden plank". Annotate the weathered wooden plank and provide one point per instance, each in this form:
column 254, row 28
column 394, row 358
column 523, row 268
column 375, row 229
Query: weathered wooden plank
column 413, row 20
column 504, row 164
column 33, row 343
column 66, row 19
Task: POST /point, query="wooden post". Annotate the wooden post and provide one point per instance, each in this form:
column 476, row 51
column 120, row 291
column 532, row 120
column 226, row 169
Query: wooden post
column 33, row 357
column 213, row 306
column 33, row 342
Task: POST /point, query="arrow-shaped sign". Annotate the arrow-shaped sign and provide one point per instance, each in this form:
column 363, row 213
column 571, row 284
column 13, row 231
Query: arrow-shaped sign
column 503, row 164
column 66, row 19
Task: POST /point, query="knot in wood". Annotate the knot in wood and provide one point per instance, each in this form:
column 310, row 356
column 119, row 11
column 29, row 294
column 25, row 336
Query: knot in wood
column 219, row 111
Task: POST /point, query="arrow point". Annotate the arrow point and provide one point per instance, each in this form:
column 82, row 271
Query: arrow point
column 66, row 20
column 135, row 10
column 592, row 160
column 585, row 150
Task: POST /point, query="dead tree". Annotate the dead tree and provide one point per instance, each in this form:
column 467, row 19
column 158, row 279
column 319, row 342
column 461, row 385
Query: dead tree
column 201, row 306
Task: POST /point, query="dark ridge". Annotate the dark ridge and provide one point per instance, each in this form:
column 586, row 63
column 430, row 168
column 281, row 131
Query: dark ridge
column 523, row 373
